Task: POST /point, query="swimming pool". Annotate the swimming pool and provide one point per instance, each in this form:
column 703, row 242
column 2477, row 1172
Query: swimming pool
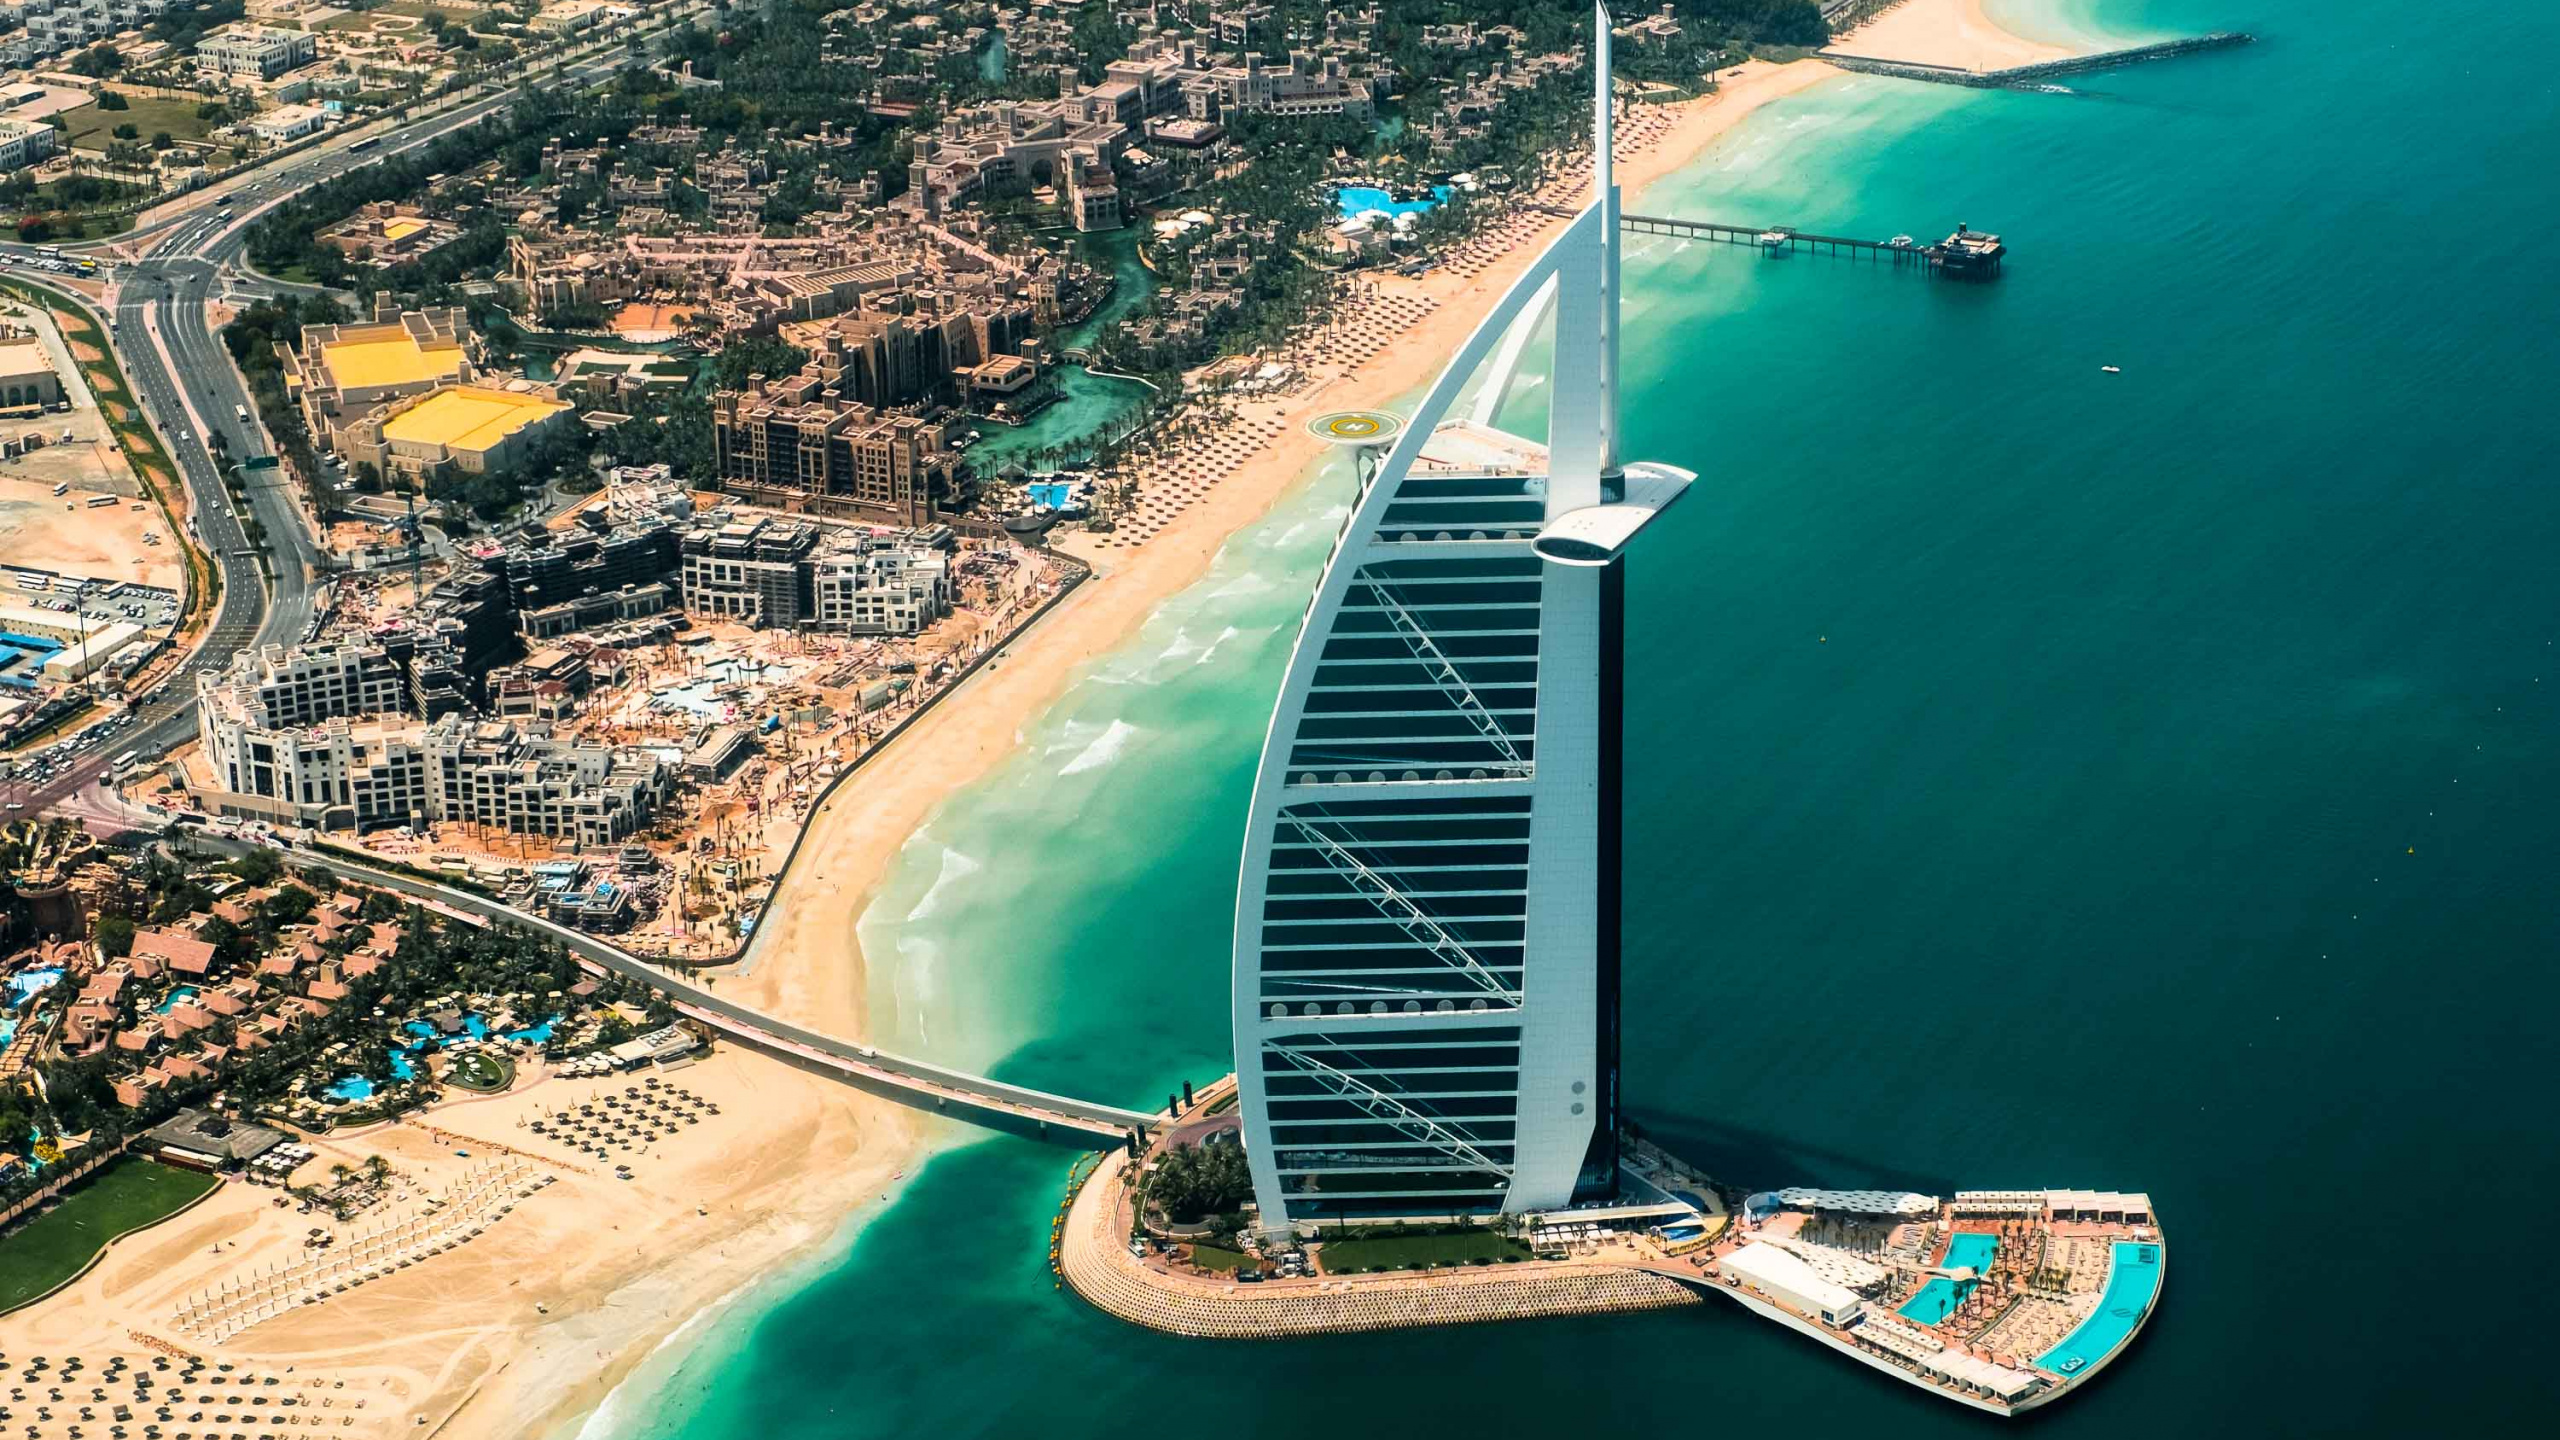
column 353, row 1087
column 1939, row 1298
column 1969, row 1250
column 473, row 1027
column 2133, row 1279
column 25, row 985
column 178, row 996
column 701, row 697
column 1361, row 199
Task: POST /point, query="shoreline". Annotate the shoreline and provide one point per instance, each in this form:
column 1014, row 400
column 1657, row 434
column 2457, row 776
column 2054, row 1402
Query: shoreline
column 1959, row 34
column 809, row 963
column 493, row 1366
column 544, row 1307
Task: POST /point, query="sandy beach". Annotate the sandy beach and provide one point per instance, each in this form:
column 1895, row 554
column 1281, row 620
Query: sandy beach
column 532, row 1322
column 809, row 964
column 1944, row 32
column 546, row 1309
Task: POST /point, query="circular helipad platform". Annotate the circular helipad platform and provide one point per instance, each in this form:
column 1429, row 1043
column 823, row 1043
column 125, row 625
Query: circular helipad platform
column 1356, row 427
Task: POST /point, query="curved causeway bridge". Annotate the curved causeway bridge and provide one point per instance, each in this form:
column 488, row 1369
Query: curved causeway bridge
column 1015, row 1109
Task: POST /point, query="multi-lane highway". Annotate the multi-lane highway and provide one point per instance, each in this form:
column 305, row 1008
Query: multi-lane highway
column 178, row 367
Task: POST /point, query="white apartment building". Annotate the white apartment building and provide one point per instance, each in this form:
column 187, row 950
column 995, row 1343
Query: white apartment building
column 876, row 586
column 306, row 684
column 339, row 774
column 343, row 774
column 492, row 773
column 257, row 51
column 54, row 26
column 23, row 143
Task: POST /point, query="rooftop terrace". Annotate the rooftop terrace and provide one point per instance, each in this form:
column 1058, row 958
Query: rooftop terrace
column 468, row 417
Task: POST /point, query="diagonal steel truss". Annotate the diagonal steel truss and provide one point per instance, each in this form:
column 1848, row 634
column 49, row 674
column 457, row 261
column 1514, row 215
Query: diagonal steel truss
column 1383, row 1105
column 1445, row 675
column 1391, row 902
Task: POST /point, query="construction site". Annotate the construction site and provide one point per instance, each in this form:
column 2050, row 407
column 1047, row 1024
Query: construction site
column 738, row 726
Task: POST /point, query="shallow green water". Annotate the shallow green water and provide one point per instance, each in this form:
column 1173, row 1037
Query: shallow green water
column 2043, row 778
column 1088, row 402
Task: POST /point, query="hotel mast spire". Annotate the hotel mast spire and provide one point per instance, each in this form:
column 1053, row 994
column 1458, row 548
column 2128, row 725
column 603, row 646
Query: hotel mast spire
column 1605, row 183
column 1426, row 943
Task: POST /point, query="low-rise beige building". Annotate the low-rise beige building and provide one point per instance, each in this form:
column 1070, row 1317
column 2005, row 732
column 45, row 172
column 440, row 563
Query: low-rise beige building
column 343, row 373
column 26, row 373
column 469, row 428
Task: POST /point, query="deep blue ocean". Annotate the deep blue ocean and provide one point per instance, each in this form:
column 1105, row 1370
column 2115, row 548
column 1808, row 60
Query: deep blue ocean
column 2039, row 777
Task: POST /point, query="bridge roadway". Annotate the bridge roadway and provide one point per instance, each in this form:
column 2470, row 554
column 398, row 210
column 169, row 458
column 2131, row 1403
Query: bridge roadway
column 1015, row 1109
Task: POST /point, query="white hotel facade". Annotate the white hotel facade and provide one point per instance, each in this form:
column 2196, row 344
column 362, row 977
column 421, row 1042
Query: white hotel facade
column 1427, row 926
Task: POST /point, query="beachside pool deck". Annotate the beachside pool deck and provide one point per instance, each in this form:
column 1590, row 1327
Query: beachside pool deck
column 2001, row 1300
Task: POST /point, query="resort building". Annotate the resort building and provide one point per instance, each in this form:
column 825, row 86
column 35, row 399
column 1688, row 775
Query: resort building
column 755, row 569
column 1427, row 929
column 384, row 233
column 798, row 445
column 468, row 428
column 306, row 684
column 23, row 143
column 519, row 780
column 1074, row 144
column 775, row 573
column 256, row 51
column 351, row 774
column 341, row 373
column 340, row 774
column 877, row 585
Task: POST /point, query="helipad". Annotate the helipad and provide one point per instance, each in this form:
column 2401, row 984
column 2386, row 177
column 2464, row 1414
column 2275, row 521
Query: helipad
column 1356, row 427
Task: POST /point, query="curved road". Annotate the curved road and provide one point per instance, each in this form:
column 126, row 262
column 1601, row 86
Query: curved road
column 993, row 1103
column 184, row 377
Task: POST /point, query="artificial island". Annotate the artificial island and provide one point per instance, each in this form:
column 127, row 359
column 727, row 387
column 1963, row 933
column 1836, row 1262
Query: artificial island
column 1427, row 1099
column 493, row 667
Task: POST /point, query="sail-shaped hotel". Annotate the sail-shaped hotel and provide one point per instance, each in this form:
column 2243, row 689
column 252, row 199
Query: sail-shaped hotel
column 1426, row 951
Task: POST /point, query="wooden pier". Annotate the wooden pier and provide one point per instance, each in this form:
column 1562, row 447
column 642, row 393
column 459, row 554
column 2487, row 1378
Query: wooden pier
column 1967, row 254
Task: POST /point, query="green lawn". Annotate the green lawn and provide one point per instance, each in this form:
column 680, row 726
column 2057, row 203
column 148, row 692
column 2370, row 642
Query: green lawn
column 1473, row 1247
column 93, row 128
column 481, row 1071
column 125, row 1196
column 1210, row 1257
column 411, row 9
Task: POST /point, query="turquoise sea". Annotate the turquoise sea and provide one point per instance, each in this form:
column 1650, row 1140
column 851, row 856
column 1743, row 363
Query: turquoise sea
column 2042, row 777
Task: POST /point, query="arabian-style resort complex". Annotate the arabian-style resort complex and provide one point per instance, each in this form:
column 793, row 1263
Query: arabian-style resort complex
column 1426, row 1006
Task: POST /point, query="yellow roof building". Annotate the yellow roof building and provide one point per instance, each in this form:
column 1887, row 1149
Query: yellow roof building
column 397, row 359
column 466, row 423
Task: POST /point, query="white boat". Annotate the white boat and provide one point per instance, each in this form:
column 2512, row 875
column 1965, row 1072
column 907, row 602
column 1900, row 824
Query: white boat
column 1775, row 239
column 2112, row 369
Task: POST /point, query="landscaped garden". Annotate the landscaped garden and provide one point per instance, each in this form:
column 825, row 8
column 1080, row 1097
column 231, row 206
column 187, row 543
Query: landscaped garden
column 1418, row 1251
column 1211, row 1257
column 126, row 1196
column 178, row 117
column 482, row 1071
